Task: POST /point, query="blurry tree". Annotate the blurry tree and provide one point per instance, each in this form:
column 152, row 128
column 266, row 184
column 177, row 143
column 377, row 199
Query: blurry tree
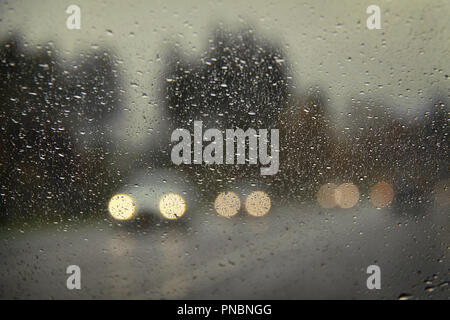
column 240, row 82
column 46, row 167
column 306, row 146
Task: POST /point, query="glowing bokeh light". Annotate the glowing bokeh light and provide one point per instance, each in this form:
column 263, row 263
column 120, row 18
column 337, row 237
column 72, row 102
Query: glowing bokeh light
column 227, row 204
column 122, row 207
column 172, row 206
column 381, row 194
column 346, row 195
column 258, row 203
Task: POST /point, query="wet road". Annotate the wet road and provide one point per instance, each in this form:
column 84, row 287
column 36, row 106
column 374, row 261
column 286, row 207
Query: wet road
column 292, row 253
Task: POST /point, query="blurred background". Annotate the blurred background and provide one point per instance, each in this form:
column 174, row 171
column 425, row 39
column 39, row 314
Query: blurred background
column 86, row 176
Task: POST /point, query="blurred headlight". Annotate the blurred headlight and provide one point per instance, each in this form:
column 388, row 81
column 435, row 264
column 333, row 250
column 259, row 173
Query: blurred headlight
column 227, row 204
column 122, row 207
column 258, row 203
column 172, row 206
column 347, row 195
column 381, row 194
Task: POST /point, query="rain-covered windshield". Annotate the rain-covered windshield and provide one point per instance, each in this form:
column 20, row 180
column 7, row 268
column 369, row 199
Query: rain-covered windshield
column 237, row 149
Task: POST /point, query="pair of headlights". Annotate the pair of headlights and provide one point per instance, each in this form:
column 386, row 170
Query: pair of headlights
column 347, row 195
column 123, row 207
column 228, row 204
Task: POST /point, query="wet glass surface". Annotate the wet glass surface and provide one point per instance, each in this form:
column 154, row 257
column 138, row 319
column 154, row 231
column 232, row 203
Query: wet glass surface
column 116, row 155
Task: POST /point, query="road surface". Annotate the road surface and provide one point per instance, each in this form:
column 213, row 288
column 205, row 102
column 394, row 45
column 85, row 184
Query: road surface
column 294, row 252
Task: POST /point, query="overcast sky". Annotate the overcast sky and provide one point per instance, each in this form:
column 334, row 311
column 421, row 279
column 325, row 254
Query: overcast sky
column 327, row 43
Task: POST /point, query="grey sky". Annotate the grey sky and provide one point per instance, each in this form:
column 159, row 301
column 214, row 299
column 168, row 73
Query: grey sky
column 404, row 64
